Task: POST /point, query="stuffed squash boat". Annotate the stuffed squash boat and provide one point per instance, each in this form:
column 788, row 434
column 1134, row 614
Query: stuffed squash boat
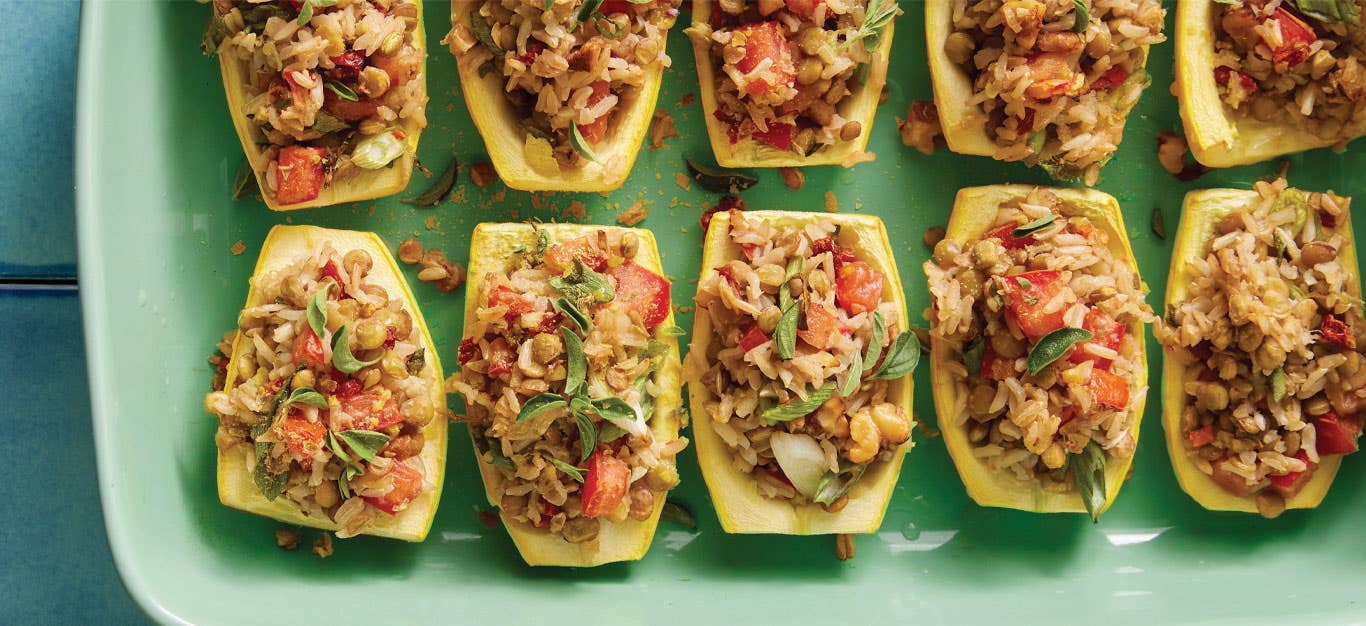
column 1264, row 378
column 562, row 91
column 1046, row 82
column 799, row 372
column 1036, row 330
column 791, row 83
column 1262, row 78
column 571, row 379
column 328, row 97
column 332, row 414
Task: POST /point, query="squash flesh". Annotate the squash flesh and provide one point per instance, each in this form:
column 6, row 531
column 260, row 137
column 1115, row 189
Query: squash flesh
column 492, row 250
column 361, row 184
column 526, row 164
column 974, row 213
column 859, row 106
column 1217, row 136
column 737, row 500
column 1200, row 215
column 236, row 487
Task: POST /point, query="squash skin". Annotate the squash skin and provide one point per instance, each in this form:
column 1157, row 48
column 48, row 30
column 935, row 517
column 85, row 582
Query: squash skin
column 1219, row 137
column 236, row 488
column 500, row 127
column 860, row 106
column 974, row 212
column 964, row 126
column 491, row 249
column 1200, row 215
column 365, row 185
column 738, row 502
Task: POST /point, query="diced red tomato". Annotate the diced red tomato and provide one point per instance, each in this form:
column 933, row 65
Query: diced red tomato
column 994, row 367
column 753, row 338
column 308, row 349
column 349, row 64
column 303, row 438
column 1028, row 294
column 594, row 131
column 1223, row 73
column 560, row 257
column 858, row 288
column 1291, row 483
column 548, row 511
column 765, row 42
column 1106, row 332
column 407, row 479
column 348, row 388
column 604, row 484
column 778, row 135
column 1296, row 38
column 502, row 295
column 1108, row 389
column 841, row 254
column 803, row 8
column 1007, row 239
column 532, row 50
column 1202, row 436
column 300, row 176
column 329, row 270
column 1335, row 332
column 371, row 411
column 1051, row 74
column 642, row 291
column 468, row 350
column 549, row 324
column 501, row 357
column 1335, row 434
column 822, row 326
column 1113, row 78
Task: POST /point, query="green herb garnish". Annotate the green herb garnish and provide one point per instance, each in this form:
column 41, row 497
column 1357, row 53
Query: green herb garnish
column 875, row 19
column 1052, row 346
column 580, row 282
column 719, row 179
column 1083, row 17
column 244, row 182
column 576, row 363
column 579, row 144
column 435, row 194
column 307, row 395
column 569, row 470
column 785, row 334
column 972, row 355
column 344, row 92
column 1033, row 227
column 365, row 443
column 316, row 311
column 342, row 359
column 540, row 403
column 902, row 357
column 834, row 485
column 484, row 33
column 1088, row 469
column 799, row 408
column 1278, row 384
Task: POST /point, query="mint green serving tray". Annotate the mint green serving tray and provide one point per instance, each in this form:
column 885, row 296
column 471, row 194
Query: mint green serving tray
column 156, row 156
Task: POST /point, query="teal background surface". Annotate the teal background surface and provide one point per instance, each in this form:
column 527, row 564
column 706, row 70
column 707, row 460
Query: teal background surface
column 155, row 158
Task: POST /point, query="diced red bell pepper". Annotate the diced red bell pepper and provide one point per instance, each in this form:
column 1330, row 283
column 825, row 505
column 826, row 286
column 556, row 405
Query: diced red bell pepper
column 308, row 349
column 1335, row 434
column 1106, row 332
column 1028, row 294
column 604, row 484
column 753, row 338
column 300, row 174
column 559, row 258
column 501, row 357
column 303, row 438
column 348, row 64
column 594, row 131
column 1292, row 482
column 1113, row 78
column 803, row 8
column 1223, row 73
column 548, row 511
column 407, row 480
column 765, row 41
column 778, row 135
column 841, row 254
column 1335, row 332
column 371, row 411
column 858, row 288
column 516, row 304
column 1108, row 389
column 1296, row 38
column 822, row 326
column 1202, row 436
column 642, row 291
column 348, row 388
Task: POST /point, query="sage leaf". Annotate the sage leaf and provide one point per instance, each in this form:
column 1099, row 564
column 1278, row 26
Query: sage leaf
column 718, row 179
column 307, row 395
column 337, row 449
column 437, row 193
column 1083, row 17
column 902, row 357
column 579, row 144
column 580, row 282
column 1278, row 384
column 972, row 355
column 833, row 485
column 1041, row 224
column 484, row 33
column 316, row 311
column 416, row 362
column 538, row 404
column 854, row 375
column 365, row 443
column 875, row 341
column 1088, row 469
column 785, row 334
column 574, row 314
column 588, row 436
column 1331, row 11
column 798, row 408
column 613, row 408
column 576, row 364
column 342, row 359
column 244, row 182
column 569, row 470
column 677, row 513
column 1052, row 346
column 326, row 123
column 271, row 485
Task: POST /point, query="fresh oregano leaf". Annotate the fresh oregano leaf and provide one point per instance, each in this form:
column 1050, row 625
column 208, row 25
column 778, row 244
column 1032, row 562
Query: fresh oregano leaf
column 875, row 341
column 785, row 334
column 316, row 311
column 307, row 395
column 588, row 436
column 613, row 408
column 538, row 404
column 1033, row 227
column 902, row 357
column 342, row 359
column 365, row 443
column 244, row 182
column 1052, row 346
column 1331, row 11
column 853, row 376
column 337, row 449
column 798, row 408
column 569, row 470
column 610, row 432
column 1088, row 469
column 576, row 364
column 580, row 282
column 484, row 33
column 584, row 323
